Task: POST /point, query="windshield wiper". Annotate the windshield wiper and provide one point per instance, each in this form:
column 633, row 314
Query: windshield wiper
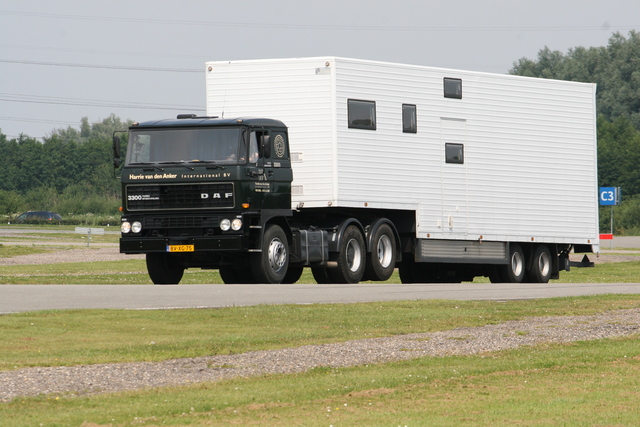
column 211, row 164
column 153, row 166
column 181, row 163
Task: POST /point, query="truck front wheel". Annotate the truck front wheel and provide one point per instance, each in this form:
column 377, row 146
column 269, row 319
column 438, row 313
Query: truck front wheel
column 270, row 265
column 164, row 269
column 232, row 276
column 351, row 257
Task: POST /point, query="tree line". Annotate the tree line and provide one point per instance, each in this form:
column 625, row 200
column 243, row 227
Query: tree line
column 70, row 172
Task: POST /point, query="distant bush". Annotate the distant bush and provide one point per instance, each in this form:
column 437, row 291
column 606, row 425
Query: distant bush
column 93, row 220
column 626, row 218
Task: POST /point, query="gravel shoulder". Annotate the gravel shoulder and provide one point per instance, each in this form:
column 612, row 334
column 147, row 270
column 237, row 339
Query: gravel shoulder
column 110, row 378
column 68, row 254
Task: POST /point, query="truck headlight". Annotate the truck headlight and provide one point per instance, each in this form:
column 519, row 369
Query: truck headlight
column 236, row 224
column 225, row 224
column 136, row 227
column 125, row 227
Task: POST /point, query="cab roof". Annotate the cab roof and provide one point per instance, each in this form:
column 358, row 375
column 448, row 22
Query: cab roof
column 191, row 120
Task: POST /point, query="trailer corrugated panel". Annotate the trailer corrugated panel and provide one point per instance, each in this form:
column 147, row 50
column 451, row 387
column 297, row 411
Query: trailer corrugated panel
column 299, row 93
column 529, row 170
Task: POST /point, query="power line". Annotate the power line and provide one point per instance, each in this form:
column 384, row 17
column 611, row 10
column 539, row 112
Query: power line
column 108, row 67
column 39, row 99
column 38, row 120
column 101, row 52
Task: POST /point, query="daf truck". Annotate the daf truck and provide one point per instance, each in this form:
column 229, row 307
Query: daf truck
column 356, row 168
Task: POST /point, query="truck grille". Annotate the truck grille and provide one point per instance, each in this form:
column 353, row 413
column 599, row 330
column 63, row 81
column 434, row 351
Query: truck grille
column 181, row 222
column 179, row 196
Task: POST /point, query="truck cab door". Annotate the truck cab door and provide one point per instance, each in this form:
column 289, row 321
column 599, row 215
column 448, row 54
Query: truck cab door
column 273, row 158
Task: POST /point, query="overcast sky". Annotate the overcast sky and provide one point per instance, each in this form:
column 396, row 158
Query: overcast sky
column 61, row 60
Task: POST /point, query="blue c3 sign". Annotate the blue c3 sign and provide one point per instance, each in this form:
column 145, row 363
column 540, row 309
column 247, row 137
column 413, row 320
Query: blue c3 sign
column 609, row 196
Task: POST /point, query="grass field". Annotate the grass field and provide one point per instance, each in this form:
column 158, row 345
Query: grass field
column 594, row 383
column 582, row 384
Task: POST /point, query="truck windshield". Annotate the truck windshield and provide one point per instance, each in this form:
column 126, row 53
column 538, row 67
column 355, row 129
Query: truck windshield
column 213, row 145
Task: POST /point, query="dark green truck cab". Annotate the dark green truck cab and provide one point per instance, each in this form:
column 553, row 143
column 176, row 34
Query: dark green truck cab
column 199, row 191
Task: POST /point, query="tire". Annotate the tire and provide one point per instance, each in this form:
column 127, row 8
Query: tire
column 494, row 274
column 228, row 275
column 164, row 269
column 236, row 276
column 321, row 275
column 293, row 275
column 406, row 271
column 381, row 261
column 541, row 268
column 514, row 271
column 271, row 265
column 415, row 272
column 351, row 257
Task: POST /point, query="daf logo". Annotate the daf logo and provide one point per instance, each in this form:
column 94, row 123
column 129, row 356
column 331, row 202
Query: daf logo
column 216, row 195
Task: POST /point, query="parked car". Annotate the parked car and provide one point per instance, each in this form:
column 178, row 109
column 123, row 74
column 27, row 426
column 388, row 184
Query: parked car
column 38, row 216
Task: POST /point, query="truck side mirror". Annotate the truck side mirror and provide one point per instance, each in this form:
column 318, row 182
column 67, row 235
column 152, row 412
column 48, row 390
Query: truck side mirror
column 265, row 146
column 117, row 161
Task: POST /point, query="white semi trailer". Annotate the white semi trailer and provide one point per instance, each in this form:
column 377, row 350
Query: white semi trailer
column 371, row 166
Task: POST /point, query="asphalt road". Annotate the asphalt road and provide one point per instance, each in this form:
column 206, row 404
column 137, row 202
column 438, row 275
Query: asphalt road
column 20, row 298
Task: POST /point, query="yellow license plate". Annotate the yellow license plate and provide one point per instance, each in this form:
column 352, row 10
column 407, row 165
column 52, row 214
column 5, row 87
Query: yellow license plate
column 180, row 248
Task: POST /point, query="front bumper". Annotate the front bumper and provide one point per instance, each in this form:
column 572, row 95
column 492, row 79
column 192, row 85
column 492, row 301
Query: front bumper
column 133, row 245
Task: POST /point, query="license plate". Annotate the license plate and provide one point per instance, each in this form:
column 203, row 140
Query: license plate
column 180, row 248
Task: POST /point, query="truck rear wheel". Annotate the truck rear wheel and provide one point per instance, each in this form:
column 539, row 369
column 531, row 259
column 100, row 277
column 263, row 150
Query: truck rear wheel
column 540, row 271
column 164, row 269
column 381, row 261
column 270, row 265
column 514, row 271
column 351, row 257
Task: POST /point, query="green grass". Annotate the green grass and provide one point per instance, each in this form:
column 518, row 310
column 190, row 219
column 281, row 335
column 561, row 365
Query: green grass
column 70, row 337
column 12, row 251
column 580, row 384
column 584, row 384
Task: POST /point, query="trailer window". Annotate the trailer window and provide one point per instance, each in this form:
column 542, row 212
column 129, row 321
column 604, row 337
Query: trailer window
column 362, row 114
column 452, row 88
column 409, row 118
column 454, row 153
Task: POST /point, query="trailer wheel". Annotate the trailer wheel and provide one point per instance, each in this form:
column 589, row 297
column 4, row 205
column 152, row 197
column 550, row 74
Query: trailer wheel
column 494, row 274
column 415, row 272
column 270, row 265
column 513, row 272
column 351, row 257
column 164, row 269
column 381, row 261
column 406, row 271
column 540, row 271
